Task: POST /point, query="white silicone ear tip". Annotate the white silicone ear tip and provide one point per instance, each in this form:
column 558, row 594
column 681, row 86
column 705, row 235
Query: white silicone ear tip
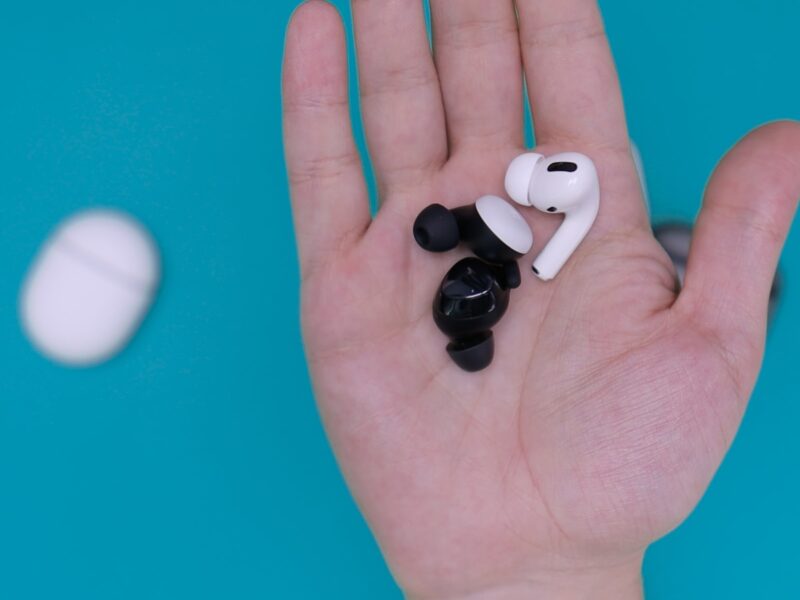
column 505, row 222
column 518, row 177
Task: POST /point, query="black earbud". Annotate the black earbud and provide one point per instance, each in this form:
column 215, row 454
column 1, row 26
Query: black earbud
column 471, row 299
column 474, row 294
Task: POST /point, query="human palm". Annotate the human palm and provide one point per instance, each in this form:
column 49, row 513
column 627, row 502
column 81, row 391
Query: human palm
column 612, row 397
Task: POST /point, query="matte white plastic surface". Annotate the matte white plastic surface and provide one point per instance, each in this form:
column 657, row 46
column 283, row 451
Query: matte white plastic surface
column 90, row 287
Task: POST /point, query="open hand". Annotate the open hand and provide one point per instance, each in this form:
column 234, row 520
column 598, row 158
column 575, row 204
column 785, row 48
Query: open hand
column 612, row 398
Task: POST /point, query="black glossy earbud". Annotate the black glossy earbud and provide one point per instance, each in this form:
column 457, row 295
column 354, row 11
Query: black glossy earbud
column 474, row 294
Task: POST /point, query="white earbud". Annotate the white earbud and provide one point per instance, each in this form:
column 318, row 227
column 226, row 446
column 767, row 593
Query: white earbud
column 563, row 183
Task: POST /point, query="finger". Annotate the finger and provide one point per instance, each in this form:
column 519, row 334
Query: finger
column 401, row 104
column 476, row 50
column 329, row 196
column 746, row 215
column 572, row 79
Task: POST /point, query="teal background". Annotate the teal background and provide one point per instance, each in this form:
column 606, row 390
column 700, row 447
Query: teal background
column 194, row 466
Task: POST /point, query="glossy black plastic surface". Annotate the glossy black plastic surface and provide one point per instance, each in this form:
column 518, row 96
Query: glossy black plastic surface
column 470, row 299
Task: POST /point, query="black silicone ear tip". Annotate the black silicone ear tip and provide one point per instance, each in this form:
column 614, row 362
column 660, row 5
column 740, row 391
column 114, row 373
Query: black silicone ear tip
column 474, row 353
column 436, row 229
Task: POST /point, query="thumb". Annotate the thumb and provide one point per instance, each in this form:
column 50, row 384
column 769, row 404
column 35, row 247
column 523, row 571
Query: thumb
column 747, row 212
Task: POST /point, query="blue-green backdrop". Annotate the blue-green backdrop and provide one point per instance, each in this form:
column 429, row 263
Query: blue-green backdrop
column 194, row 466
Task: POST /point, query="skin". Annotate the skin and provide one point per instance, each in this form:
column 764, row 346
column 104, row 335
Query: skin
column 612, row 399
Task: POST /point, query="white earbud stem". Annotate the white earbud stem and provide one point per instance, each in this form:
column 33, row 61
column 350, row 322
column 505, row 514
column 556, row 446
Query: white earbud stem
column 518, row 177
column 566, row 239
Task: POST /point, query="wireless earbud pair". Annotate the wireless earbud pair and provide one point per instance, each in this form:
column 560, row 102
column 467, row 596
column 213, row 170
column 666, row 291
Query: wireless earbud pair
column 474, row 294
